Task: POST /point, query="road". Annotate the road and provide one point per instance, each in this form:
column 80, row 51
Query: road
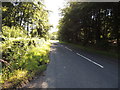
column 71, row 67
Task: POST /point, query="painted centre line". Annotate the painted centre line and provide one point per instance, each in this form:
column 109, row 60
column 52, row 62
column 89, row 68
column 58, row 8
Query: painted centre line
column 68, row 48
column 90, row 60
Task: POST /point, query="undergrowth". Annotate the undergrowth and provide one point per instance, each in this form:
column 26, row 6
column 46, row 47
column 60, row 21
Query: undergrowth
column 21, row 59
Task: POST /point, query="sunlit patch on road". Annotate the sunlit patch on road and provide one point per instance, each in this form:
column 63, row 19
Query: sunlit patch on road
column 54, row 41
column 44, row 85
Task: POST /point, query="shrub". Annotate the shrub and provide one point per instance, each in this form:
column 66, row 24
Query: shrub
column 24, row 56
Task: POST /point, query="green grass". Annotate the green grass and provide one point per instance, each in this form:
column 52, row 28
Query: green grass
column 93, row 50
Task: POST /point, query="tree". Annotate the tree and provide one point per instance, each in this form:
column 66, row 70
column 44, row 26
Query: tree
column 89, row 23
column 29, row 15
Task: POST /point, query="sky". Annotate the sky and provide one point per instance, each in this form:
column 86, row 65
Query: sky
column 54, row 5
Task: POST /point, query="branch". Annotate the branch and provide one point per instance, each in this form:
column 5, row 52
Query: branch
column 1, row 60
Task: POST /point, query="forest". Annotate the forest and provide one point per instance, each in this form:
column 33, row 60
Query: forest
column 93, row 24
column 24, row 46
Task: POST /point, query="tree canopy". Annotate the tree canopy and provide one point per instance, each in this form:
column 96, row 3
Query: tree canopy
column 31, row 16
column 90, row 23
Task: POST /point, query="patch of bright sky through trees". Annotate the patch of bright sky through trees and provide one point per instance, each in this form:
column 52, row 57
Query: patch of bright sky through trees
column 54, row 16
column 55, row 5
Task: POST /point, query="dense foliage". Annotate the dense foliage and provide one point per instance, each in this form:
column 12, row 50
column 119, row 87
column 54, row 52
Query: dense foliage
column 27, row 15
column 53, row 35
column 23, row 55
column 91, row 24
column 25, row 49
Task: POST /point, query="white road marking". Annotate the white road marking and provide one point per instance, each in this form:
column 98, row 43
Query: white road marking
column 90, row 60
column 68, row 48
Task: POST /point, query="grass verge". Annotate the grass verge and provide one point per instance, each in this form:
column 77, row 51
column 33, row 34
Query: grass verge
column 93, row 50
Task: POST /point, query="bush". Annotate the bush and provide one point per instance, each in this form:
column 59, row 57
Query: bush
column 14, row 32
column 103, row 44
column 23, row 55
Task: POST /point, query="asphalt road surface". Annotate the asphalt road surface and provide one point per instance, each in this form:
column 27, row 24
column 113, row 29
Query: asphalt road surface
column 71, row 67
